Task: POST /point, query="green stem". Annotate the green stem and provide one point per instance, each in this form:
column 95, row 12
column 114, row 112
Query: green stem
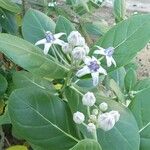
column 88, row 111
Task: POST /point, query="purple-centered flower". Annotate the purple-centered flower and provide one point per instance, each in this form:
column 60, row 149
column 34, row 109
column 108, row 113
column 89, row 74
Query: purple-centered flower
column 93, row 67
column 108, row 52
column 49, row 40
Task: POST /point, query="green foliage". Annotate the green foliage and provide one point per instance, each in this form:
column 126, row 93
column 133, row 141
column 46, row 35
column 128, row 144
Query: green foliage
column 130, row 79
column 140, row 109
column 3, row 85
column 37, row 111
column 119, row 10
column 87, row 145
column 10, row 6
column 35, row 24
column 30, row 57
column 127, row 37
column 124, row 135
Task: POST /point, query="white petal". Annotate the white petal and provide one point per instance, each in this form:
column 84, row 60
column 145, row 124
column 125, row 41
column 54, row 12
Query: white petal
column 101, row 52
column 113, row 61
column 87, row 60
column 109, row 61
column 95, row 77
column 102, row 70
column 46, row 48
column 43, row 41
column 85, row 70
column 58, row 35
column 59, row 42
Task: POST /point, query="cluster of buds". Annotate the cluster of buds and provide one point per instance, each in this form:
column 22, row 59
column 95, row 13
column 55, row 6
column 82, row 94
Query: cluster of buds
column 98, row 117
column 76, row 46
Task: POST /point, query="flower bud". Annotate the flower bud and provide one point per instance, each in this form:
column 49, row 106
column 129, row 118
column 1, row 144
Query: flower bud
column 78, row 117
column 78, row 53
column 106, row 121
column 115, row 114
column 88, row 99
column 75, row 39
column 91, row 127
column 93, row 118
column 103, row 106
column 66, row 48
column 95, row 112
column 86, row 48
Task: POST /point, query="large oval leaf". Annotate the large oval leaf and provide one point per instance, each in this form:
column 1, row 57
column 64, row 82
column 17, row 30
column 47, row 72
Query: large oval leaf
column 140, row 108
column 35, row 24
column 42, row 119
column 128, row 37
column 87, row 144
column 30, row 57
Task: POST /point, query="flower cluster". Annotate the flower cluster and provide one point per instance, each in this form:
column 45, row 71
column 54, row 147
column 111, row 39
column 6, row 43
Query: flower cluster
column 77, row 49
column 98, row 117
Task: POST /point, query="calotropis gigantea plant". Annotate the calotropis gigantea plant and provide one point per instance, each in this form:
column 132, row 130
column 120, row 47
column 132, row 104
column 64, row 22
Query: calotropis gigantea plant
column 72, row 97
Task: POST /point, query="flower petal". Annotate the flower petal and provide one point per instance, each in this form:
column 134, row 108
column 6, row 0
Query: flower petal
column 109, row 61
column 46, row 48
column 85, row 70
column 43, row 41
column 95, row 78
column 102, row 70
column 113, row 61
column 87, row 60
column 59, row 42
column 101, row 52
column 58, row 35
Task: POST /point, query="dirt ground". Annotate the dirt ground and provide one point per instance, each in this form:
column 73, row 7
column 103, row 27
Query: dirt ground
column 143, row 57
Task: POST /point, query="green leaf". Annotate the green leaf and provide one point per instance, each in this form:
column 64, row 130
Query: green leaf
column 130, row 80
column 35, row 24
column 4, row 118
column 10, row 6
column 142, row 84
column 64, row 25
column 8, row 22
column 34, row 114
column 17, row 147
column 140, row 109
column 118, row 75
column 31, row 57
column 87, row 144
column 124, row 135
column 22, row 79
column 119, row 9
column 127, row 37
column 115, row 87
column 3, row 85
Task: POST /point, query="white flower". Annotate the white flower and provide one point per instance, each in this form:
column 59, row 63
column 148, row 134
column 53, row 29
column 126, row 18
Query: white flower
column 115, row 114
column 49, row 40
column 78, row 53
column 91, row 127
column 76, row 39
column 108, row 52
column 95, row 112
column 106, row 121
column 88, row 99
column 66, row 48
column 78, row 117
column 92, row 66
column 103, row 106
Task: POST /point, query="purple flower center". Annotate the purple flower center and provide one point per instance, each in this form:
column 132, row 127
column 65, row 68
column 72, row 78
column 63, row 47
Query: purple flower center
column 94, row 66
column 109, row 51
column 49, row 37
